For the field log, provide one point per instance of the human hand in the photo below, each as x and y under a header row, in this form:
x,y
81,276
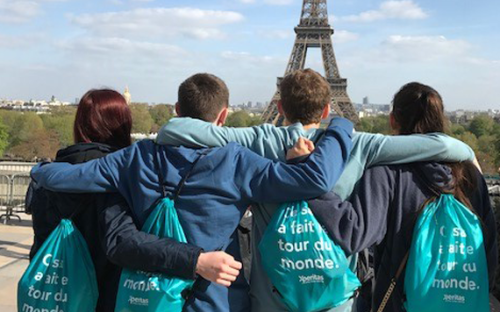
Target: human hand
x,y
303,147
218,267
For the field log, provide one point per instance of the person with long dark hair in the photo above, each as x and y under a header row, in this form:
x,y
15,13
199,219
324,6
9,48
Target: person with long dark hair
x,y
386,202
103,125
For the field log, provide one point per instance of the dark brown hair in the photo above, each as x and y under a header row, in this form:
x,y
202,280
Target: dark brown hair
x,y
103,116
202,96
304,95
418,108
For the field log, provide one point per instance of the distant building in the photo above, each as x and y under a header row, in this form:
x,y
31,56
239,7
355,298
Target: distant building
x,y
372,110
366,100
127,95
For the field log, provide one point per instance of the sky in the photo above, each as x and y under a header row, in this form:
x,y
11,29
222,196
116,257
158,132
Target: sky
x,y
65,47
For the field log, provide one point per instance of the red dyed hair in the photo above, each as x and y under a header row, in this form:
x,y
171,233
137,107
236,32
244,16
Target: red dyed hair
x,y
103,116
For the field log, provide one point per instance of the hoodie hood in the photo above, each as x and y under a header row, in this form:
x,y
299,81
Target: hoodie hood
x,y
436,174
83,152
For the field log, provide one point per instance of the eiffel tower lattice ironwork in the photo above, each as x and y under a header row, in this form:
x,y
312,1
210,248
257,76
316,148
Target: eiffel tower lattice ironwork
x,y
314,31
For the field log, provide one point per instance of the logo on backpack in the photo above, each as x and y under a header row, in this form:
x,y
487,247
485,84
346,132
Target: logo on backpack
x,y
312,279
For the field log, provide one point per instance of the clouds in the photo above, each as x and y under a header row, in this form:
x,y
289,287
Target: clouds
x,y
22,41
245,58
270,2
392,9
397,50
113,46
160,22
342,36
451,65
279,2
424,48
279,34
153,45
20,11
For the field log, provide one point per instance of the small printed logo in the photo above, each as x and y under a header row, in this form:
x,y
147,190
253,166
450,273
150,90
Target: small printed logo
x,y
311,279
454,298
138,301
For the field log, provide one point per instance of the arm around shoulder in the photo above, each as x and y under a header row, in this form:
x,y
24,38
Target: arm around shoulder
x,y
401,149
262,180
362,221
265,140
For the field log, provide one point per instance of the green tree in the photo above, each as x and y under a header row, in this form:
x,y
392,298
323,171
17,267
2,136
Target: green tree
x,y
377,124
30,123
39,144
481,125
28,137
457,129
470,139
486,153
21,126
10,120
496,129
62,125
64,110
141,119
239,119
497,153
486,144
161,114
4,138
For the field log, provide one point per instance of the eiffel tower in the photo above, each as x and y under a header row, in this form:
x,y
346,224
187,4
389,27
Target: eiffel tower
x,y
314,31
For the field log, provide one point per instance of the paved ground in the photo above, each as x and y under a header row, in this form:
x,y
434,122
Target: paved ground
x,y
15,243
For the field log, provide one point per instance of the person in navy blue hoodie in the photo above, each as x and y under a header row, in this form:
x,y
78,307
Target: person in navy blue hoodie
x,y
102,125
220,187
383,208
94,139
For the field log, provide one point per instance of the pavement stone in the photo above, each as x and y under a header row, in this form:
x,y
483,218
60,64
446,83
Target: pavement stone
x,y
15,243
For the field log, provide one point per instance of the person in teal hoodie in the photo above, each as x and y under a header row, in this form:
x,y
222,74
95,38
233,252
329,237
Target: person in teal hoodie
x,y
221,184
305,98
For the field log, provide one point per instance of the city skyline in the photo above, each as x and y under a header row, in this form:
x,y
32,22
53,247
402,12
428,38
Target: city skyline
x,y
66,47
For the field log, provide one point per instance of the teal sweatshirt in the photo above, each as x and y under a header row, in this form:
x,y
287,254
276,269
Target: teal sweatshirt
x,y
273,142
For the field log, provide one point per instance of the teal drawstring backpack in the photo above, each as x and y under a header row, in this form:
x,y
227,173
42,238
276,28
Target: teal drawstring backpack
x,y
309,271
447,268
149,292
61,277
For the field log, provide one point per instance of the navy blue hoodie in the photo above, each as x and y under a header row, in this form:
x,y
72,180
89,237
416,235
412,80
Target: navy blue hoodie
x,y
382,211
110,233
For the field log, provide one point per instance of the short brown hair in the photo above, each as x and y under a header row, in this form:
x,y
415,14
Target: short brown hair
x,y
202,96
304,95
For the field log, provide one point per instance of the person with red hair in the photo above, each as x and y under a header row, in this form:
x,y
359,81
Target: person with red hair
x,y
103,124
103,117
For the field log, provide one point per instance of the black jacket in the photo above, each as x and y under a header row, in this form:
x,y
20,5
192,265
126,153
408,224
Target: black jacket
x,y
109,230
382,211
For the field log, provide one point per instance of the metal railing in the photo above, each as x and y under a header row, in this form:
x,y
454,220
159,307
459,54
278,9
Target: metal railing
x,y
13,188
